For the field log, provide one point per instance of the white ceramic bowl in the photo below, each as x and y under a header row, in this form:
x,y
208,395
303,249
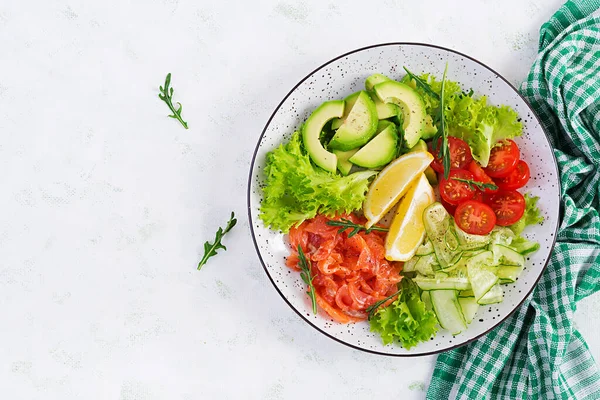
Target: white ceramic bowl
x,y
346,74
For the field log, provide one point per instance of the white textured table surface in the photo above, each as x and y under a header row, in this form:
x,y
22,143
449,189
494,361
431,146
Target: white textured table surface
x,y
106,202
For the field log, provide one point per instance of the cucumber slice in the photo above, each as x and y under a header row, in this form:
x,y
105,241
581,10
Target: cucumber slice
x,y
379,151
343,165
481,280
469,307
358,127
481,260
409,266
426,298
425,249
507,256
509,273
442,283
384,110
375,79
350,100
448,311
466,293
471,242
525,247
437,222
502,235
494,295
425,265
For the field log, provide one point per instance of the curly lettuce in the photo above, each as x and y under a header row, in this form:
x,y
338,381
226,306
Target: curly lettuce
x,y
295,189
531,216
471,118
406,320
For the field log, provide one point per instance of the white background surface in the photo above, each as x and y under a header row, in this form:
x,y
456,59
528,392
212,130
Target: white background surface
x,y
106,202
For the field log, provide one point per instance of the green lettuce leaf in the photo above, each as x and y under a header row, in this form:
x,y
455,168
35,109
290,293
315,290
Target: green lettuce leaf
x,y
405,320
531,216
469,118
296,190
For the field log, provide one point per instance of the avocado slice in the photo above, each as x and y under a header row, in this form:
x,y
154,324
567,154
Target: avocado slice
x,y
343,165
379,151
384,110
374,80
311,131
430,129
358,127
411,104
429,172
350,100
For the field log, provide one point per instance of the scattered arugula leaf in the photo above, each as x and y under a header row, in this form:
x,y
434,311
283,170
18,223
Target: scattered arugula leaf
x,y
473,184
346,224
307,277
210,249
422,84
166,95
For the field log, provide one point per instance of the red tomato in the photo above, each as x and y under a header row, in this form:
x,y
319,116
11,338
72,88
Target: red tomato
x,y
452,190
503,159
509,206
516,179
449,207
460,154
475,217
480,175
478,196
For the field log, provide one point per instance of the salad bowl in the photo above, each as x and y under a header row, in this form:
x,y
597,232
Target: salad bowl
x,y
346,74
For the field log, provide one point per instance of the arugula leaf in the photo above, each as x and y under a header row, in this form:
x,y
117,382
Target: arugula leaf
x,y
445,151
531,216
307,277
422,84
405,320
166,95
473,184
346,224
210,249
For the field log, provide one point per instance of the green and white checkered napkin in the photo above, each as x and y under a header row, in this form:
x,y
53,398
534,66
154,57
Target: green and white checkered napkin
x,y
537,353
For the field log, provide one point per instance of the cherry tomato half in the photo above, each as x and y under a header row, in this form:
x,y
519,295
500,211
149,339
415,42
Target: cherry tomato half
x,y
454,191
480,175
475,217
503,159
449,207
460,154
508,205
516,179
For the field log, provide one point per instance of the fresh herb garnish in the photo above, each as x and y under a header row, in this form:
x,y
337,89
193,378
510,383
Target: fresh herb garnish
x,y
346,224
422,84
166,95
373,308
475,184
210,249
307,277
444,151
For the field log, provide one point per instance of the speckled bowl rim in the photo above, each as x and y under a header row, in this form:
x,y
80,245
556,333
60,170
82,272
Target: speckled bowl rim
x,y
252,164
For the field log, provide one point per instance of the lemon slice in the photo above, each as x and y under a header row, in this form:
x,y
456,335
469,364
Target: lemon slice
x,y
392,183
407,230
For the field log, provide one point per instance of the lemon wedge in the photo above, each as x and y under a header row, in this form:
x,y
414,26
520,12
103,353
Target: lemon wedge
x,y
407,230
392,183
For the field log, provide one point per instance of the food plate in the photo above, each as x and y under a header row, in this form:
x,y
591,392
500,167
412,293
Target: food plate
x,y
346,74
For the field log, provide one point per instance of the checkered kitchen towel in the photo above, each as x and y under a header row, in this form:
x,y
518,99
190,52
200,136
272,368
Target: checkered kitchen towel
x,y
537,353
